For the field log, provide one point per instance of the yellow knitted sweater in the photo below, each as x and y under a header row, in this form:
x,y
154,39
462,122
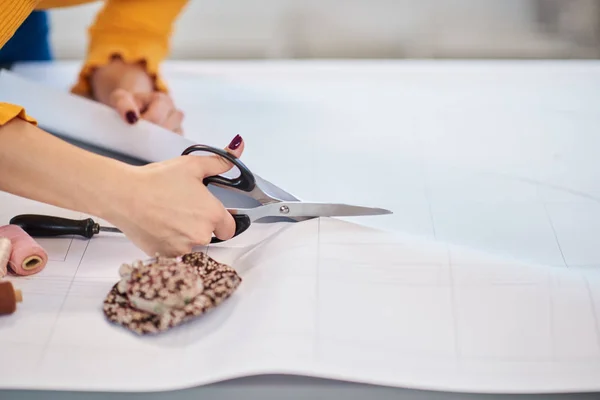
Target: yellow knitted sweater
x,y
135,30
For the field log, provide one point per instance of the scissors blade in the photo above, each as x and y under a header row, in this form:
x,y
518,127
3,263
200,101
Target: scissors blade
x,y
273,191
296,209
301,209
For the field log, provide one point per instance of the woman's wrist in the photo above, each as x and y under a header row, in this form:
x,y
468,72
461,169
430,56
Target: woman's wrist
x,y
113,196
41,167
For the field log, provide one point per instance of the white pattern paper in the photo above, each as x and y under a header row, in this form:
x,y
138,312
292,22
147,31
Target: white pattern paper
x,y
485,279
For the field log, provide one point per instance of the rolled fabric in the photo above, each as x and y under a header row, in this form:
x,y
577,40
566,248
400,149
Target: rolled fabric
x,y
9,297
27,256
5,251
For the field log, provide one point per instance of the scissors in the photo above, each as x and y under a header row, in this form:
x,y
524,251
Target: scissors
x,y
271,206
246,183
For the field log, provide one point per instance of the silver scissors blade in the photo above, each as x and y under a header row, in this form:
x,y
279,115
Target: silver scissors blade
x,y
299,209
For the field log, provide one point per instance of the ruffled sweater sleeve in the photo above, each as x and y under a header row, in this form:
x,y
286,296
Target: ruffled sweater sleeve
x,y
12,15
134,30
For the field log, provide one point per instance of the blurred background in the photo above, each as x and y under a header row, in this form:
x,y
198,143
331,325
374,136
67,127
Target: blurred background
x,y
272,29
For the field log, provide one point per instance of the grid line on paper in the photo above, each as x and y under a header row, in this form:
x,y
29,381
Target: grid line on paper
x,y
594,308
562,254
551,316
68,249
62,305
317,290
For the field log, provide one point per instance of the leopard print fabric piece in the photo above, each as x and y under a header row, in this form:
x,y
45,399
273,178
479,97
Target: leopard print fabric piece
x,y
164,284
172,291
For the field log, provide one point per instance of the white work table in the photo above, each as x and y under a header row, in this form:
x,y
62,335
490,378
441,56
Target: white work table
x,y
501,157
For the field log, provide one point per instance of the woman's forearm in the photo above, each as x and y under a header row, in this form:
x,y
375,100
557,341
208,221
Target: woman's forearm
x,y
41,167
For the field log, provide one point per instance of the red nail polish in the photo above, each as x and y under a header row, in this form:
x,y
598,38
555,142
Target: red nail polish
x,y
236,142
131,117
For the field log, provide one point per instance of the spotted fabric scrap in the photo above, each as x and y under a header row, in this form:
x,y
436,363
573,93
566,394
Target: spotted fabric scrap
x,y
158,295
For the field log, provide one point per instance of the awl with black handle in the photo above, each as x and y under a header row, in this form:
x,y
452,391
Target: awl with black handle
x,y
49,226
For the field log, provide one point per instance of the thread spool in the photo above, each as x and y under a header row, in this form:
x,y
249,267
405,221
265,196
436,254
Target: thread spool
x,y
27,256
9,297
5,251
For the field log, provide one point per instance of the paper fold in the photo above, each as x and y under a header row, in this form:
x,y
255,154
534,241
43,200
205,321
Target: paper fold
x,y
98,128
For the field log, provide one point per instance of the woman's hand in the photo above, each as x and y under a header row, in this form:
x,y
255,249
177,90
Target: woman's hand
x,y
168,210
162,207
130,91
155,107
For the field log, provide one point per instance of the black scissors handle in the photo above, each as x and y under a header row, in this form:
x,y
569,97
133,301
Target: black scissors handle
x,y
245,182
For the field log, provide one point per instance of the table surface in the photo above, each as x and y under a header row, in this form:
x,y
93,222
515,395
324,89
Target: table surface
x,y
496,156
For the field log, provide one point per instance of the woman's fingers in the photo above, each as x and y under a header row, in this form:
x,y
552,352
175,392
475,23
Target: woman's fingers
x,y
156,224
158,107
154,107
236,146
217,165
225,227
126,105
174,121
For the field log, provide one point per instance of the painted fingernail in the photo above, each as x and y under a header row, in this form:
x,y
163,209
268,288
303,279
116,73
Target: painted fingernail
x,y
131,117
236,142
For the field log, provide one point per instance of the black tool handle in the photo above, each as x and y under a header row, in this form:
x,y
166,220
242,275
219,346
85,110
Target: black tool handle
x,y
244,182
46,226
242,222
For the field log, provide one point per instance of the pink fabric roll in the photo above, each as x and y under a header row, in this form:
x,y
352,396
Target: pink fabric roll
x,y
27,256
5,251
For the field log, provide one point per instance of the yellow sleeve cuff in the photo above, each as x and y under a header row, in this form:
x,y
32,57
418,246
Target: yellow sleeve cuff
x,y
137,31
8,112
103,56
